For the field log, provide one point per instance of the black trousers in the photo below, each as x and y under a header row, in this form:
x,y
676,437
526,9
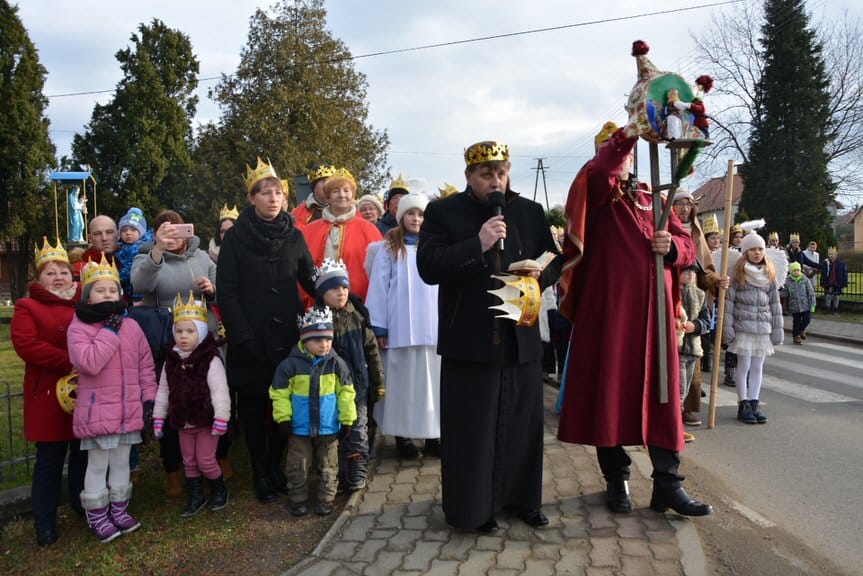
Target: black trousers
x,y
614,463
262,434
48,479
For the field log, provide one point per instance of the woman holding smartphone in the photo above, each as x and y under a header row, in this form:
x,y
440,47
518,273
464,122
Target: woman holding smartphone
x,y
175,264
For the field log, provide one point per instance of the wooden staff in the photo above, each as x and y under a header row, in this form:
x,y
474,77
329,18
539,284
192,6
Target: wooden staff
x,y
720,318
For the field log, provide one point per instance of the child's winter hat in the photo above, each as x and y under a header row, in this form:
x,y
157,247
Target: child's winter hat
x,y
331,274
410,202
317,322
193,311
794,266
134,218
751,240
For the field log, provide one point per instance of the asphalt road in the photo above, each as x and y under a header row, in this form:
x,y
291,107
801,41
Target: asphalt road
x,y
788,493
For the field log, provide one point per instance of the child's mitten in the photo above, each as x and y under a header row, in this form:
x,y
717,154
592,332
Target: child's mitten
x,y
219,427
158,424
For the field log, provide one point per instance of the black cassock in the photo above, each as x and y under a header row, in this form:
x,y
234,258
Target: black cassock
x,y
491,375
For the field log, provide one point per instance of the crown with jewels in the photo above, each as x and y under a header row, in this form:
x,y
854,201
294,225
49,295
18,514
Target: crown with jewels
x,y
190,310
228,214
711,225
261,171
400,182
795,237
345,173
93,272
773,236
448,190
50,253
317,322
328,267
604,135
321,171
489,151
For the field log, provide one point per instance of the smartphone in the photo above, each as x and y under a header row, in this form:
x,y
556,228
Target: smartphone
x,y
178,231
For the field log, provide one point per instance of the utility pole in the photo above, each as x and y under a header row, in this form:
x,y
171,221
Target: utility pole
x,y
540,167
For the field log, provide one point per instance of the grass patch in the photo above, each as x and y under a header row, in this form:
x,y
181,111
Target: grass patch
x,y
6,311
12,443
245,538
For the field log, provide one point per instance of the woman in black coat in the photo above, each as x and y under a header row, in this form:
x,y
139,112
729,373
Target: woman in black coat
x,y
260,262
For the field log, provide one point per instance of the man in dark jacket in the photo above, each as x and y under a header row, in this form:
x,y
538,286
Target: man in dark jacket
x,y
491,371
398,188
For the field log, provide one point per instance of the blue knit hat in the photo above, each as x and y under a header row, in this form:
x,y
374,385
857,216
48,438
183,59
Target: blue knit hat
x,y
134,218
317,322
331,274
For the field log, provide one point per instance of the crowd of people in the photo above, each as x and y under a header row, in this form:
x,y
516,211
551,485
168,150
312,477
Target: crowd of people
x,y
314,331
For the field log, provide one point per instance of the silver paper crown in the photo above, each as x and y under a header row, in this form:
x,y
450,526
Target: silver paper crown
x,y
328,266
315,316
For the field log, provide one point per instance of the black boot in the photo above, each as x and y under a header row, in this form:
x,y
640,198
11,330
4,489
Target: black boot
x,y
730,368
672,495
759,416
432,447
195,499
407,449
617,496
264,490
218,493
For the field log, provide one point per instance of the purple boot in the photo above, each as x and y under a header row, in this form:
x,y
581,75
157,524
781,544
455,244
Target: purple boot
x,y
119,516
96,508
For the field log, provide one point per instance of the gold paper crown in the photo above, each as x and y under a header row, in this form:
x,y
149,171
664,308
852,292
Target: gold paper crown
x,y
604,135
520,296
226,214
103,271
832,250
190,310
736,228
345,173
261,171
711,225
50,253
400,182
487,151
447,190
795,237
286,186
773,236
322,171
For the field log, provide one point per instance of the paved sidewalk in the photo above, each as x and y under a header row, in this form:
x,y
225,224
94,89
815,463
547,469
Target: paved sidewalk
x,y
397,526
848,332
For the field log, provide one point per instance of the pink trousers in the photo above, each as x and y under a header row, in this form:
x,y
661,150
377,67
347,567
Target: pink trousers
x,y
198,447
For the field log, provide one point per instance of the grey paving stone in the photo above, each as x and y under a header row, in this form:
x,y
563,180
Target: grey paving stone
x,y
369,550
373,503
630,527
478,562
421,557
357,528
391,517
385,563
403,540
634,547
415,522
638,566
604,552
383,533
573,559
443,568
381,482
407,476
400,494
458,546
493,543
513,555
536,567
320,568
342,550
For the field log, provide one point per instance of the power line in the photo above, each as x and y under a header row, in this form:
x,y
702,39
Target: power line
x,y
456,42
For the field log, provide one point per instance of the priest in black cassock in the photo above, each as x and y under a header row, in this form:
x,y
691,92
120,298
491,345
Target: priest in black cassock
x,y
491,388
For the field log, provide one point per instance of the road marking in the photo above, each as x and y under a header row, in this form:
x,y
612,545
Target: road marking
x,y
822,356
748,512
801,367
727,396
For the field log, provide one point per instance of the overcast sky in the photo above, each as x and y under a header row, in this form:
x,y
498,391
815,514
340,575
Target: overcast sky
x,y
544,94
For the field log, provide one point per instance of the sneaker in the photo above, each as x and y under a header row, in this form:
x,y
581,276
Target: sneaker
x,y
798,340
324,508
804,334
300,509
687,437
691,419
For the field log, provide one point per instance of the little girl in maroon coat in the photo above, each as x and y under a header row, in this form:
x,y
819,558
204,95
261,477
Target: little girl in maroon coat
x,y
193,392
116,389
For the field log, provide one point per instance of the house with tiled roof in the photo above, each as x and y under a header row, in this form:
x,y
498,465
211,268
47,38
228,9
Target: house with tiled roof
x,y
711,198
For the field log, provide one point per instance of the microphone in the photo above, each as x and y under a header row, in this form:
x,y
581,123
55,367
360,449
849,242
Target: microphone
x,y
496,199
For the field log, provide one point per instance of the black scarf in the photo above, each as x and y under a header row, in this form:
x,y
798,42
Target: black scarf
x,y
272,233
93,313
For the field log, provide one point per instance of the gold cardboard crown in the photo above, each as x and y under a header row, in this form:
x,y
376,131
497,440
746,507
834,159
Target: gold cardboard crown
x,y
520,296
261,171
400,182
50,253
322,171
604,135
189,310
736,228
773,236
711,225
795,237
833,250
488,151
345,173
447,190
103,271
226,214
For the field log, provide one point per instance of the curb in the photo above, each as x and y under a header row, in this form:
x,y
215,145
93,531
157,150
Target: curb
x,y
831,337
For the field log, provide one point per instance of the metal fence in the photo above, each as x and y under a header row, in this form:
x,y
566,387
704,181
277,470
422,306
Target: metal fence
x,y
16,455
855,282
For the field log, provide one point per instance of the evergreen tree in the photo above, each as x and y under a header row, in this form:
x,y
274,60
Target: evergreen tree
x,y
295,99
26,152
787,180
139,144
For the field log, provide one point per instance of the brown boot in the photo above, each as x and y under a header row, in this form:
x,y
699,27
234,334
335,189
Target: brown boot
x,y
227,471
173,484
798,340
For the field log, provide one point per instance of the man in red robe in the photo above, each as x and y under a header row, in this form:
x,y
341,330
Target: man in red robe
x,y
612,396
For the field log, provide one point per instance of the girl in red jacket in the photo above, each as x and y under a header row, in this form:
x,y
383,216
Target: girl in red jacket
x,y
116,388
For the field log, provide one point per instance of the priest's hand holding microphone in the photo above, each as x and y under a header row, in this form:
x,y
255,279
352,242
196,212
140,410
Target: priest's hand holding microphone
x,y
493,232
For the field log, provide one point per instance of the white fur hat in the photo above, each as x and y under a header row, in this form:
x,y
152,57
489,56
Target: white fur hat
x,y
409,202
751,240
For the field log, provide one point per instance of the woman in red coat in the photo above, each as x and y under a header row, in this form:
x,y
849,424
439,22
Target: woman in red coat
x,y
341,233
39,336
